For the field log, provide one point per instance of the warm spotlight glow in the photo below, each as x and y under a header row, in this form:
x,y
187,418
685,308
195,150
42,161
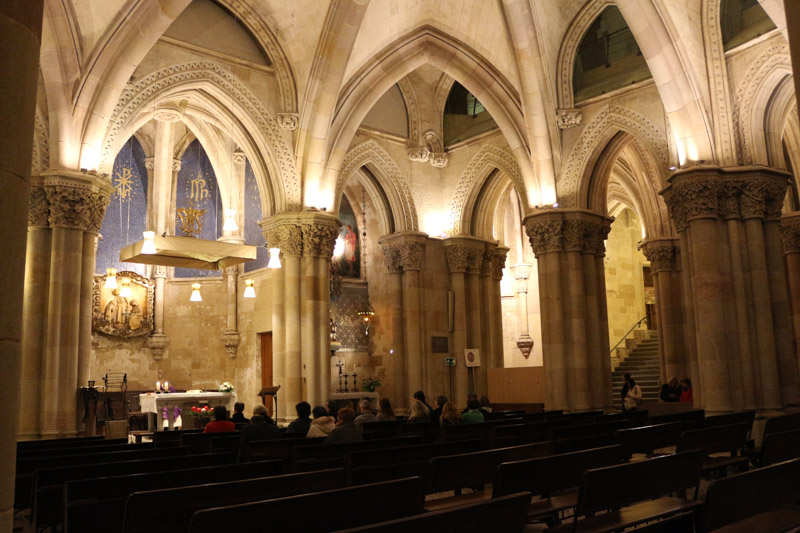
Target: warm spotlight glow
x,y
436,224
148,246
338,248
195,297
111,278
125,291
230,221
274,258
249,291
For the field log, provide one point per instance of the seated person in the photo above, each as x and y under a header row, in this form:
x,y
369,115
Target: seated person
x,y
450,415
238,414
299,427
670,392
486,405
365,407
686,390
473,414
345,430
333,411
473,396
261,427
419,413
322,425
386,413
221,424
438,405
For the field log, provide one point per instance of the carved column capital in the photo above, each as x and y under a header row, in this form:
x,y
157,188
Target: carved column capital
x,y
159,271
310,233
521,272
231,340
661,253
486,260
76,200
403,251
464,254
499,262
567,230
568,118
286,235
158,343
38,207
790,232
319,239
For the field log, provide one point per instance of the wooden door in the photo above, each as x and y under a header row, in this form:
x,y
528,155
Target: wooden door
x,y
266,367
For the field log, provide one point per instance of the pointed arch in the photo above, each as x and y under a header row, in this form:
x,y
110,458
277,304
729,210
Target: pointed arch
x,y
753,98
412,109
428,45
394,184
217,96
480,168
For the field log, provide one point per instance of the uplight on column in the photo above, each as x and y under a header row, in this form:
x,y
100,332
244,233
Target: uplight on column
x,y
111,278
274,258
125,291
195,297
230,221
148,246
249,290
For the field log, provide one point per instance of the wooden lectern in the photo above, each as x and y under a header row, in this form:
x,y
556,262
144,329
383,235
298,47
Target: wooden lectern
x,y
270,391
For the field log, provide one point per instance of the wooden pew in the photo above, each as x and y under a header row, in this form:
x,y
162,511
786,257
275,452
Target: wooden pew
x,y
742,417
692,419
98,504
779,424
26,467
342,449
780,447
261,450
761,500
79,450
547,478
615,488
717,439
506,514
384,430
171,510
584,436
335,509
48,484
473,470
396,463
428,431
67,443
647,439
205,442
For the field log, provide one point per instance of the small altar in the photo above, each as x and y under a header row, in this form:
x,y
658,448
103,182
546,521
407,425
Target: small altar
x,y
152,402
351,399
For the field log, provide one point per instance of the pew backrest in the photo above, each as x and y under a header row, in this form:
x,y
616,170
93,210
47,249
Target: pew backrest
x,y
647,439
333,509
779,447
716,439
779,424
171,510
545,475
743,417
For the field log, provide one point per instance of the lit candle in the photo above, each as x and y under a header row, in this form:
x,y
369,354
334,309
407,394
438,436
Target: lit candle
x,y
166,386
158,386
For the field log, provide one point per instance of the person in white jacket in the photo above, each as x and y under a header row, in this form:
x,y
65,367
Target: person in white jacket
x,y
322,425
634,395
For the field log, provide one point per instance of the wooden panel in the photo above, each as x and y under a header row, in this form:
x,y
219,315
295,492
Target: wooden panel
x,y
266,366
516,385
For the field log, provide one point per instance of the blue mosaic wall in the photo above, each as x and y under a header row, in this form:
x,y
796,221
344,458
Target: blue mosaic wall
x,y
252,215
126,215
197,188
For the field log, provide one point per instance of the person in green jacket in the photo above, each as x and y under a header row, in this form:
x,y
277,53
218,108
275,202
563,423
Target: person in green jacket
x,y
473,415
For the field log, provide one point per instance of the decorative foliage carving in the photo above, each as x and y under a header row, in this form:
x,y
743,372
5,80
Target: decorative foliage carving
x,y
476,171
371,152
612,116
661,255
231,340
418,154
568,233
75,207
136,96
499,262
38,207
319,239
402,256
790,234
288,236
158,343
288,121
568,118
692,198
464,257
544,235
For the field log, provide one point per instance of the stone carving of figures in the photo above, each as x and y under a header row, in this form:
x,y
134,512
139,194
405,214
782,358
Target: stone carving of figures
x,y
136,318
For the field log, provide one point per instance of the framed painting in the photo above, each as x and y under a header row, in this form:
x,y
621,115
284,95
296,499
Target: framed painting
x,y
119,314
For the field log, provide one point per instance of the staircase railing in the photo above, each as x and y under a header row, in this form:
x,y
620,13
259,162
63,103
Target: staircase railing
x,y
639,323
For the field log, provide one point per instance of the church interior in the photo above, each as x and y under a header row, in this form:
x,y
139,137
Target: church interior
x,y
288,202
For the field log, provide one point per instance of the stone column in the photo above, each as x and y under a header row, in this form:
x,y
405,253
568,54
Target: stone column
x,y
727,219
20,36
404,252
34,311
394,262
487,317
498,262
568,244
464,260
158,340
230,335
521,273
663,254
790,235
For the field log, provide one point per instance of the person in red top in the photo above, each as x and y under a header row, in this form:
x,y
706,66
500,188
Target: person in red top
x,y
687,395
221,424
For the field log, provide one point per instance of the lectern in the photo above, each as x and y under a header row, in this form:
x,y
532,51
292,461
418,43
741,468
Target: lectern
x,y
270,391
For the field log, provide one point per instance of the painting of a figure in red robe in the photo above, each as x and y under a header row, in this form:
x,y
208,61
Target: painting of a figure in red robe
x,y
347,251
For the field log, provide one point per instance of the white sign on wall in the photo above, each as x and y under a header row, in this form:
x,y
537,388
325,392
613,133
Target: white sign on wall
x,y
472,357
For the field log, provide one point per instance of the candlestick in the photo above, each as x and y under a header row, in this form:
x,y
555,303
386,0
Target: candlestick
x,y
166,386
158,386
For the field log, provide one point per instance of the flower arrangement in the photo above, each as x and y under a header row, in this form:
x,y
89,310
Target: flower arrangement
x,y
201,412
226,387
370,384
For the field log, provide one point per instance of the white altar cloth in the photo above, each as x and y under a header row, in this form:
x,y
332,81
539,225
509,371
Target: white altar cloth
x,y
154,403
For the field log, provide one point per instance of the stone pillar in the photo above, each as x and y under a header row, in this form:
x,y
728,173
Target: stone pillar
x,y
498,262
521,273
569,248
158,340
404,253
663,254
464,260
487,317
790,235
395,266
230,335
300,332
727,219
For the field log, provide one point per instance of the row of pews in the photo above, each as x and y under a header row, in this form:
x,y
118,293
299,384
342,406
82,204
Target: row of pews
x,y
575,472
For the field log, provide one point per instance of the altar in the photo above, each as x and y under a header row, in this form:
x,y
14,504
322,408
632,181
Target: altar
x,y
152,402
351,399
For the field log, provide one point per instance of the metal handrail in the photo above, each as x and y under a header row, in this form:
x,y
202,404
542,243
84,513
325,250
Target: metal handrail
x,y
643,319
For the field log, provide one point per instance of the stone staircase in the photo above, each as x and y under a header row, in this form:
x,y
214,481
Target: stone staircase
x,y
643,364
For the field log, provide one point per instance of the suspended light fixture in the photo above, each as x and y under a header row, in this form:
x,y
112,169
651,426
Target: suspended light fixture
x,y
125,291
230,221
249,291
148,246
111,278
274,258
367,313
195,297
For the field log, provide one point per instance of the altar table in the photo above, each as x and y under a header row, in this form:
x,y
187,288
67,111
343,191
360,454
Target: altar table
x,y
155,403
